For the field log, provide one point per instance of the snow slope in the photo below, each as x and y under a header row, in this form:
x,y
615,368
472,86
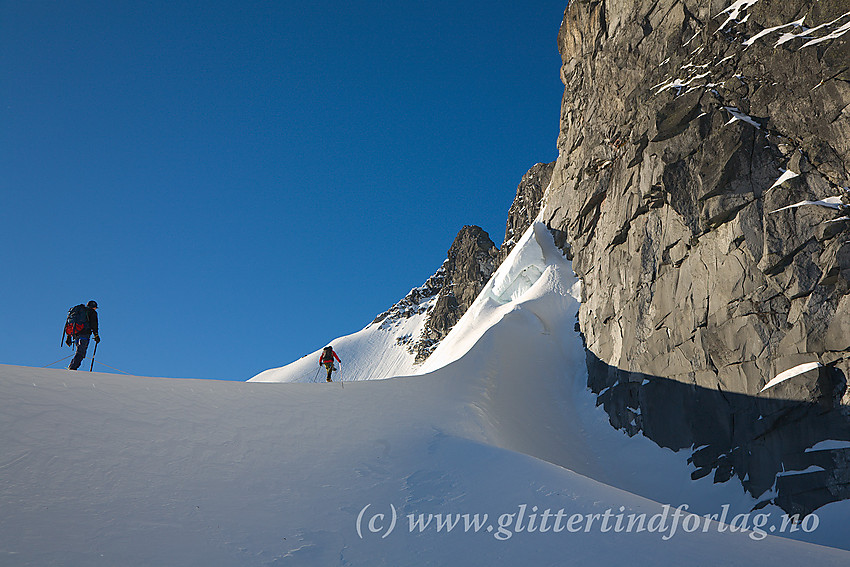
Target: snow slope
x,y
378,351
113,470
99,469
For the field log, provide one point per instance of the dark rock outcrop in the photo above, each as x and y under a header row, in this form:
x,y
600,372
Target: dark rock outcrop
x,y
526,205
470,263
446,295
688,131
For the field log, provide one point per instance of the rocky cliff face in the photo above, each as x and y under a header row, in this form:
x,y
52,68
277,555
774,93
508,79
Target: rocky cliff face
x,y
702,189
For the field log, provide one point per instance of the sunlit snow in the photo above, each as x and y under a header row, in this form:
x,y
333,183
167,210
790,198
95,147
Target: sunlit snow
x,y
791,373
829,202
101,469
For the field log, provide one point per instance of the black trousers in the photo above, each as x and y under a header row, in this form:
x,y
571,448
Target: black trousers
x,y
81,343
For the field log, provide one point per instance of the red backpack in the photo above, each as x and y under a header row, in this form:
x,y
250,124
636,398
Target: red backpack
x,y
77,321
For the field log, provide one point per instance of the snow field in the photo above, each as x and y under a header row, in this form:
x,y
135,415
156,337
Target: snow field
x,y
100,469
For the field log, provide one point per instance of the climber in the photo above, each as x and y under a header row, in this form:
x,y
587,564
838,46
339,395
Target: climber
x,y
327,360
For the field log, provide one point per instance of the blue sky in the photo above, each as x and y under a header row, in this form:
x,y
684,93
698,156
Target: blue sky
x,y
237,183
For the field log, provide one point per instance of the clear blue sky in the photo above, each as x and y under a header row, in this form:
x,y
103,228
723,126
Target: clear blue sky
x,y
237,183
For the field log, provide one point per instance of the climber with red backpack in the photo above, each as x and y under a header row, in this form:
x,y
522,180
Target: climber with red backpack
x,y
327,360
79,326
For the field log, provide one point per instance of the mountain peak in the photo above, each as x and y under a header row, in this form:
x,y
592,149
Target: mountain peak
x,y
470,263
446,295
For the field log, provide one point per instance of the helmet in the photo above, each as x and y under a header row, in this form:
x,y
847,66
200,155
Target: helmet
x,y
92,304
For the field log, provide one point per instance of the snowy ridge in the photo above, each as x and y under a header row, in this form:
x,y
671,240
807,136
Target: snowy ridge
x,y
381,350
378,351
521,270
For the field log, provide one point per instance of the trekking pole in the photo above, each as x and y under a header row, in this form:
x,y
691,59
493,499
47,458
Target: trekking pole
x,y
92,357
316,377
